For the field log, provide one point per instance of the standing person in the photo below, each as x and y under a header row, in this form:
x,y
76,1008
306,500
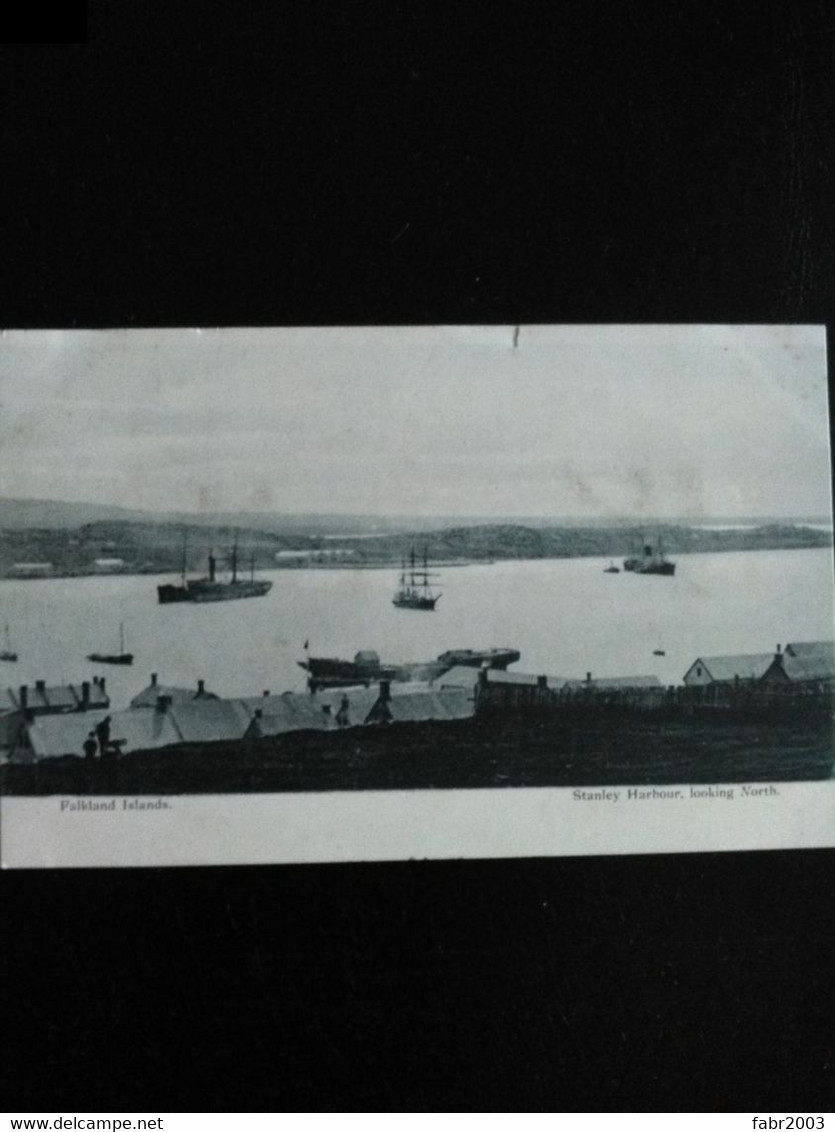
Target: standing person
x,y
342,718
90,746
103,736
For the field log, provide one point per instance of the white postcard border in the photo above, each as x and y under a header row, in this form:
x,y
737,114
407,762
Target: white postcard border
x,y
248,829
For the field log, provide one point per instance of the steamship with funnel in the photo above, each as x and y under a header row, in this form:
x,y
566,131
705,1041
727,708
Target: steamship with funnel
x,y
651,560
211,589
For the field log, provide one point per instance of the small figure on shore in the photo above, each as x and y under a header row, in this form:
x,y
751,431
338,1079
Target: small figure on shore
x,y
103,736
90,746
342,718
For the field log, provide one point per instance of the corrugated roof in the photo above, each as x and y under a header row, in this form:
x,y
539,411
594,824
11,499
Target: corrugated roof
x,y
747,666
461,676
452,703
58,697
811,648
814,666
360,702
53,735
98,696
147,698
616,682
294,713
464,676
205,720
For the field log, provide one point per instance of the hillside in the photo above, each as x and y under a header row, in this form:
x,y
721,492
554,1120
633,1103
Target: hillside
x,y
157,546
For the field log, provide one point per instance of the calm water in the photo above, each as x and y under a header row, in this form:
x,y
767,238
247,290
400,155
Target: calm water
x,y
566,617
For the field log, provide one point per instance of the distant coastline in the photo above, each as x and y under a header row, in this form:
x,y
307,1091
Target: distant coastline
x,y
128,547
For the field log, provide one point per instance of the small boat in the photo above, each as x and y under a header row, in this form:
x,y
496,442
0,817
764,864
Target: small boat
x,y
414,591
7,653
658,652
120,657
612,569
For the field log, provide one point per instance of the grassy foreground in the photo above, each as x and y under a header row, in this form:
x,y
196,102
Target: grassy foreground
x,y
502,751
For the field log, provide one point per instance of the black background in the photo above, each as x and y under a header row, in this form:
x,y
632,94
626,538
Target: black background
x,y
215,164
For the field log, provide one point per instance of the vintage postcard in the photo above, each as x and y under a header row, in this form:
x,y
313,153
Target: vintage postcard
x,y
297,595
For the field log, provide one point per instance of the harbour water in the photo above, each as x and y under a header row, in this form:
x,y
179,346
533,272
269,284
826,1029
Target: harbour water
x,y
567,617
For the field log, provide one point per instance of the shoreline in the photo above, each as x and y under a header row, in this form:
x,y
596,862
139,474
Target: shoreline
x,y
395,565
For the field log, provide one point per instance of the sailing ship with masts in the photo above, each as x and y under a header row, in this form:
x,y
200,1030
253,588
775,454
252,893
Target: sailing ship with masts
x,y
211,588
7,652
415,590
120,657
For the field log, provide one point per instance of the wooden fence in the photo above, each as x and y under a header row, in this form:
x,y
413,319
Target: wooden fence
x,y
749,699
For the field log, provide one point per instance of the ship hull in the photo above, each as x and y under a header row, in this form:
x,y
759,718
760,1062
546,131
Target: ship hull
x,y
212,591
423,603
650,566
228,591
168,594
329,672
476,658
105,658
665,569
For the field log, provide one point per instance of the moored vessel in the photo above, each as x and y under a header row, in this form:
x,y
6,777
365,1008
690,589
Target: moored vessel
x,y
367,668
120,657
415,591
211,589
650,561
7,652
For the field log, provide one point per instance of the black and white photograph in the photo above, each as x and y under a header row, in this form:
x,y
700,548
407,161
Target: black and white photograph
x,y
415,562
416,570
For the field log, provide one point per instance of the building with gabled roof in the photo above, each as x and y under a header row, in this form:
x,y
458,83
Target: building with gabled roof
x,y
42,699
810,648
614,683
348,706
463,676
132,730
727,669
109,565
808,668
209,720
446,704
294,713
149,696
18,706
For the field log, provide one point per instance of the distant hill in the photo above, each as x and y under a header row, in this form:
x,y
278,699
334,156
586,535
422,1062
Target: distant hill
x,y
154,545
20,514
53,514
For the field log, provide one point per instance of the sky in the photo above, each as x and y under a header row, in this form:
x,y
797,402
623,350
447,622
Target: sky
x,y
595,421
